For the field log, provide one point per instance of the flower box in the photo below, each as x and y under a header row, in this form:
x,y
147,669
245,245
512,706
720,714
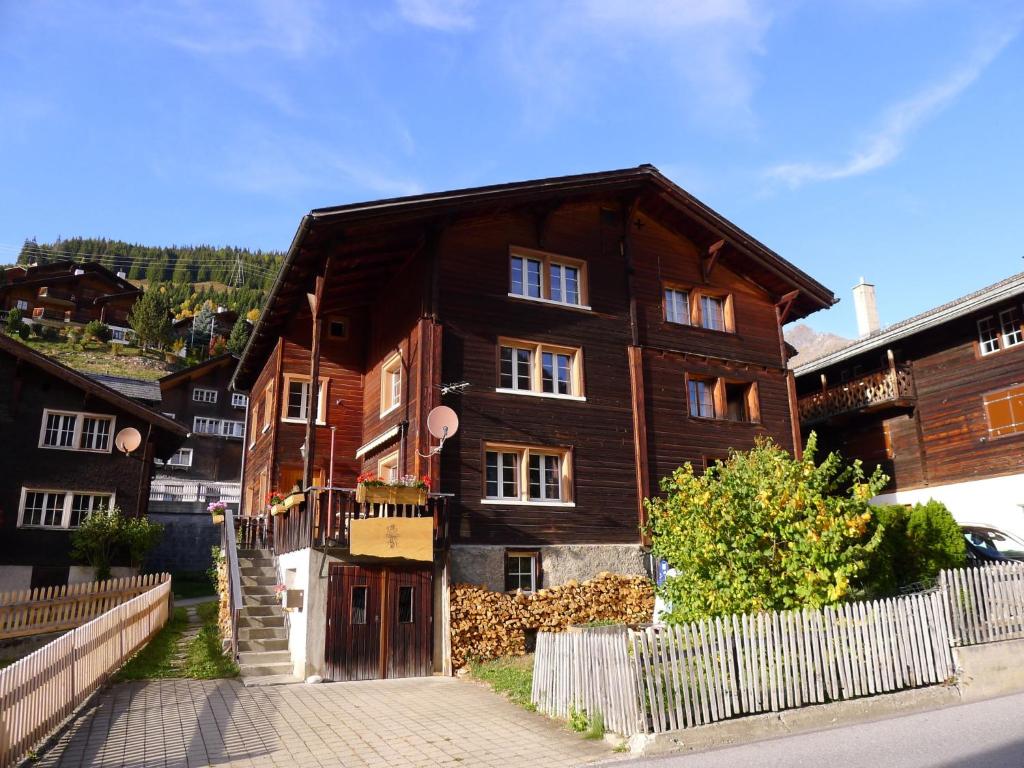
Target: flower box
x,y
294,499
278,509
391,494
217,518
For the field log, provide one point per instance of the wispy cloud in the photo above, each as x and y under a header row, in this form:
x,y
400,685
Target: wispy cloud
x,y
443,15
887,143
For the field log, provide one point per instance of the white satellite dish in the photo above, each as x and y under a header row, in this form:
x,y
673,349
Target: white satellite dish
x,y
442,423
128,439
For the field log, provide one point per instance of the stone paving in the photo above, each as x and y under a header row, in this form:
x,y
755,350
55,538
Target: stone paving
x,y
413,722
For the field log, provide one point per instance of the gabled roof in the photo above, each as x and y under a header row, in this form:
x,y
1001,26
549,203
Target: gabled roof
x,y
137,389
944,313
197,370
63,270
761,263
87,384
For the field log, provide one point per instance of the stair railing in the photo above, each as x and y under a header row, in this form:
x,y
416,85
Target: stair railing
x,y
230,549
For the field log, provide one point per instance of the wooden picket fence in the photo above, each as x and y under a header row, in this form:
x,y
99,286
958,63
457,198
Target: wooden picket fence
x,y
40,691
55,609
588,670
985,604
662,678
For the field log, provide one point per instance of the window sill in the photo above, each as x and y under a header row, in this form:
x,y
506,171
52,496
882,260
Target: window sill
x,y
521,503
699,328
75,450
550,302
716,420
299,421
389,411
531,393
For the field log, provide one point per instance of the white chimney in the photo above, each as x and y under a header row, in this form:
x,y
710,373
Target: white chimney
x,y
79,272
122,274
866,308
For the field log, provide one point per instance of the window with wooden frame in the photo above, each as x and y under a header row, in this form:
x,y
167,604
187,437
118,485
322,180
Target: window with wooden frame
x,y
47,508
547,277
1002,333
268,407
296,401
522,570
698,307
527,475
387,468
526,367
75,431
390,384
719,398
1005,411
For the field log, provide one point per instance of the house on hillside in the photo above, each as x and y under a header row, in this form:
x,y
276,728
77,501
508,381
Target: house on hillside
x,y
222,320
937,400
591,332
60,462
66,293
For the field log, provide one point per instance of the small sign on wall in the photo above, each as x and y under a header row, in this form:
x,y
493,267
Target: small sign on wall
x,y
411,538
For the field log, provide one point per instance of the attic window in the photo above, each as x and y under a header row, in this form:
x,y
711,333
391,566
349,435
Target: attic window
x,y
337,328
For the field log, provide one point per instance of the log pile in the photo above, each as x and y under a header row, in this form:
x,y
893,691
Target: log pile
x,y
488,625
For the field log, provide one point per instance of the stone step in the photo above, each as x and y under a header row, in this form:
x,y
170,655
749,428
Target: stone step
x,y
263,680
258,570
261,621
266,600
249,671
252,632
258,609
264,657
255,562
261,590
258,581
255,554
262,645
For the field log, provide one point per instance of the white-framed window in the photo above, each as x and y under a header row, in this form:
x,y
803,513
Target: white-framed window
x,y
527,475
295,407
541,369
988,335
677,306
201,395
238,400
230,428
74,431
181,458
204,426
712,312
22,305
48,508
547,277
702,398
390,384
1009,322
387,468
521,571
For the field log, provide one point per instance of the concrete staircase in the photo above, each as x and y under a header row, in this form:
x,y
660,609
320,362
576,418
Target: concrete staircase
x,y
263,656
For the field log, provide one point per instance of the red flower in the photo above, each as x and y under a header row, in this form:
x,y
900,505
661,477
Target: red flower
x,y
426,481
366,477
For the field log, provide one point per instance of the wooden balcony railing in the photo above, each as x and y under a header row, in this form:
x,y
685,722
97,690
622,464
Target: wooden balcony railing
x,y
325,519
890,387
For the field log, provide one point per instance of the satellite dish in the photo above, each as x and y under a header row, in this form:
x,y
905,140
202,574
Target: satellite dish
x,y
128,439
442,422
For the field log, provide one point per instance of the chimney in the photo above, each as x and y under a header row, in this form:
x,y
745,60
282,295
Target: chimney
x,y
122,274
79,271
866,308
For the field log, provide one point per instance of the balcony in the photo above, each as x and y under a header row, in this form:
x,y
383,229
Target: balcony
x,y
890,389
55,296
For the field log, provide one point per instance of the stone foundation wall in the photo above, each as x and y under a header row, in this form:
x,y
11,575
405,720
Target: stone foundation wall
x,y
189,534
484,565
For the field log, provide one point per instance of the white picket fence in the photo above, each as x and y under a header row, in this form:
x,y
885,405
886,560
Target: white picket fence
x,y
985,604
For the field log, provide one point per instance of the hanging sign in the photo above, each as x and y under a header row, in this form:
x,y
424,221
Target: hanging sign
x,y
411,538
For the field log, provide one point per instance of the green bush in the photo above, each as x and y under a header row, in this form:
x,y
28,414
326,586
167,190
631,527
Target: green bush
x,y
97,330
916,543
106,534
14,321
763,531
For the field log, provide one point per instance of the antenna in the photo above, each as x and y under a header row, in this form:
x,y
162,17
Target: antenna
x,y
455,387
442,423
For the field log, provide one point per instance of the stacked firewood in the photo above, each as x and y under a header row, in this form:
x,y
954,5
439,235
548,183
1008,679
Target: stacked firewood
x,y
487,625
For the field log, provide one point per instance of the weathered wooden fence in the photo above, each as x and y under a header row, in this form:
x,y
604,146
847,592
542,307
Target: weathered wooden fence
x,y
589,670
39,691
985,604
54,609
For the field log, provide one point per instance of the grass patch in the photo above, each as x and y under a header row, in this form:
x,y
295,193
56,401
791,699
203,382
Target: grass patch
x,y
98,358
512,677
187,584
156,660
206,660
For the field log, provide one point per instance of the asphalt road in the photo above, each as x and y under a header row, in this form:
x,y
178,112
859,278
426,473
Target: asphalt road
x,y
987,734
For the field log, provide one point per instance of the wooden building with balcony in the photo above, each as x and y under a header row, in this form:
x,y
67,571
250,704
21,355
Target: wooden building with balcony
x,y
937,400
592,333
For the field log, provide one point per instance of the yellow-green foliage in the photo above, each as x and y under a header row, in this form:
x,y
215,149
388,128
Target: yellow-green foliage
x,y
763,531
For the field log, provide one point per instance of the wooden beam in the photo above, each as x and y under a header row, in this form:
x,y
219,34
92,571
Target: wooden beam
x,y
636,391
707,264
785,304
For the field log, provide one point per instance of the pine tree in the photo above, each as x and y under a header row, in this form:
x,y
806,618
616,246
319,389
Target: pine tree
x,y
239,336
149,318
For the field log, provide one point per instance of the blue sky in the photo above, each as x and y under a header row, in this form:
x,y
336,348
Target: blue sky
x,y
880,138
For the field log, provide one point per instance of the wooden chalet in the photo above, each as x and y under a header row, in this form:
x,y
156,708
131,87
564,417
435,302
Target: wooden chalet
x,y
600,331
69,294
59,461
937,400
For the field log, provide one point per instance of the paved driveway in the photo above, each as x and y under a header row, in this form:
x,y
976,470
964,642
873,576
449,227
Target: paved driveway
x,y
412,722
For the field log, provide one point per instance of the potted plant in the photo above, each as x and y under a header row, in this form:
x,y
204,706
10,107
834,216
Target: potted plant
x,y
408,490
276,502
216,510
294,497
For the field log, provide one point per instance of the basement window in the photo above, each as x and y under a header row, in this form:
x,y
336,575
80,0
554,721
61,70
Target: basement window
x,y
521,571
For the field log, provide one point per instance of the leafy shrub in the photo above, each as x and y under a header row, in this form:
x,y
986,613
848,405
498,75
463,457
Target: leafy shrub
x,y
96,329
916,543
106,534
14,321
23,332
763,531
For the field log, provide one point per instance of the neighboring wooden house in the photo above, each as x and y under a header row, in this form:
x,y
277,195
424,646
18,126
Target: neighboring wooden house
x,y
937,400
610,327
70,294
221,322
59,462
